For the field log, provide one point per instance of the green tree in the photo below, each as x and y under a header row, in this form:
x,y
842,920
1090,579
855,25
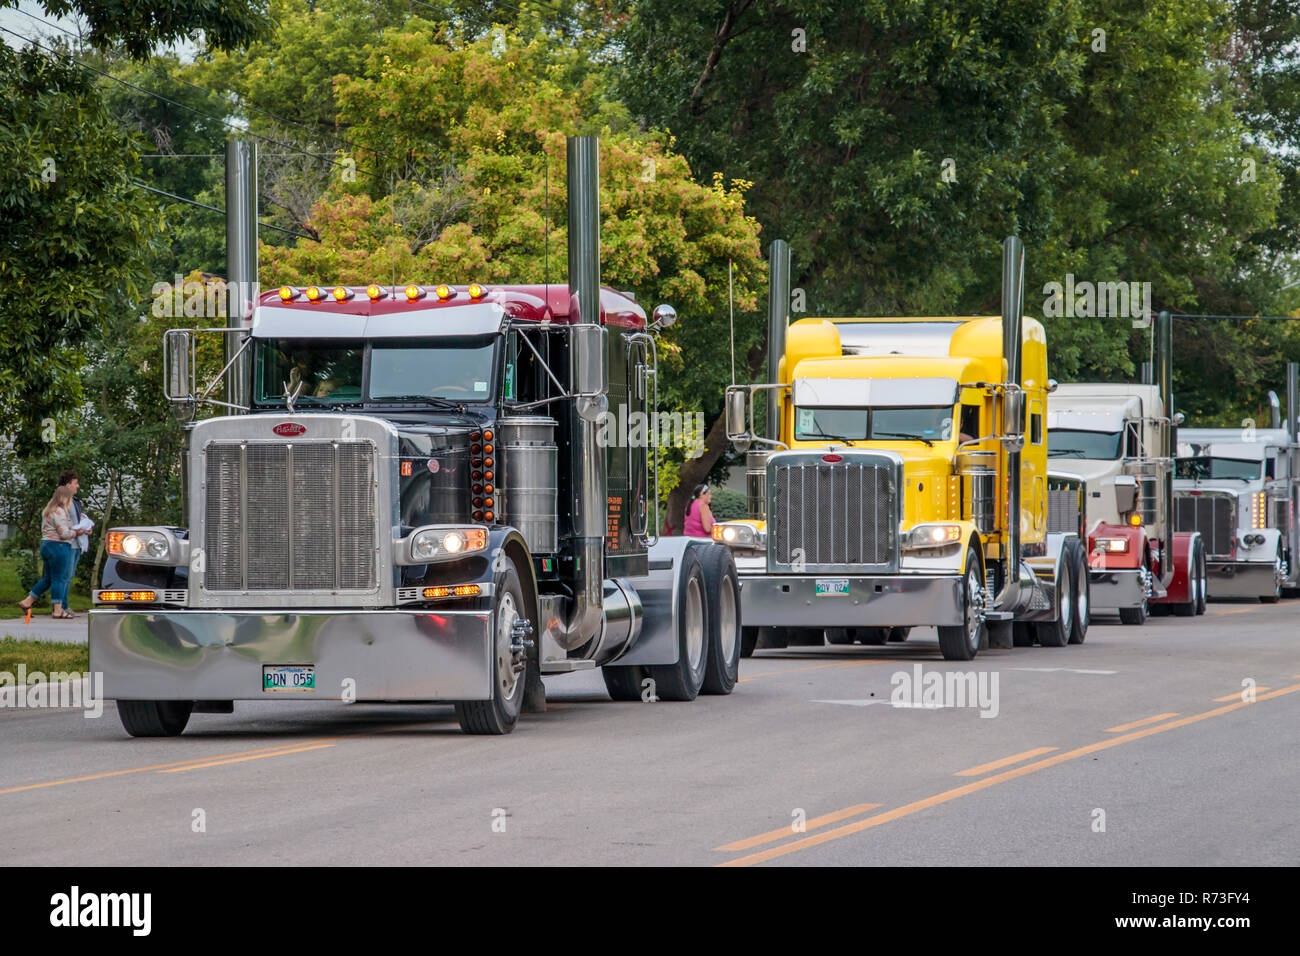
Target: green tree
x,y
137,26
468,137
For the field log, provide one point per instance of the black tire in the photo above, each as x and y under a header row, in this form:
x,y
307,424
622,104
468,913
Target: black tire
x,y
1193,602
498,715
804,636
1082,593
1277,584
723,592
1137,616
1057,633
683,680
748,641
872,636
961,642
154,718
1204,579
624,683
897,635
840,636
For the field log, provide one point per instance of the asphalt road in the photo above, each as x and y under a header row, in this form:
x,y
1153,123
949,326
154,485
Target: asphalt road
x,y
1133,748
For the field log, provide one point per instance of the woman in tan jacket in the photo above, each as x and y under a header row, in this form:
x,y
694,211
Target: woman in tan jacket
x,y
58,538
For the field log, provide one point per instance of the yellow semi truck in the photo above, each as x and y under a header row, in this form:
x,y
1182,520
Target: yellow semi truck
x,y
903,482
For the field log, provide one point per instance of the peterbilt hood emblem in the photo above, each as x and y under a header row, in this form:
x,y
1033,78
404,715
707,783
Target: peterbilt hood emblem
x,y
289,429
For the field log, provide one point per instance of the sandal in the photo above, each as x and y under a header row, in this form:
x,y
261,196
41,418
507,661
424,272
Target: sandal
x,y
65,616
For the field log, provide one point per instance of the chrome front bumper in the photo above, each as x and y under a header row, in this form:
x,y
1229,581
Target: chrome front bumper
x,y
218,655
1228,579
1113,589
877,601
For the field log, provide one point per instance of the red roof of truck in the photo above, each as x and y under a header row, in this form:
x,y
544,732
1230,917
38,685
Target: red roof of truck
x,y
526,303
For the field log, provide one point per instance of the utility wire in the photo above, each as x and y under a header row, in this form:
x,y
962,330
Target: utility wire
x,y
203,205
203,89
141,89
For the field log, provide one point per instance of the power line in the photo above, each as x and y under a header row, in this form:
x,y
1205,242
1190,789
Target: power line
x,y
203,89
203,205
141,89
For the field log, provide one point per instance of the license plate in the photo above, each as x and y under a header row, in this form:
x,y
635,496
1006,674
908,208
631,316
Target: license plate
x,y
288,678
831,587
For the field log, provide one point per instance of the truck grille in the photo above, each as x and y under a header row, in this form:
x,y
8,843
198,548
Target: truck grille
x,y
282,517
832,514
1062,509
1213,516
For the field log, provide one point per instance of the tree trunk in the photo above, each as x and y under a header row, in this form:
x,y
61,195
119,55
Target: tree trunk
x,y
103,531
694,470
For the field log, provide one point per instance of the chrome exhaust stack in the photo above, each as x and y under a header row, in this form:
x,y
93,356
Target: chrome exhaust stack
x,y
778,319
1014,591
1164,359
585,617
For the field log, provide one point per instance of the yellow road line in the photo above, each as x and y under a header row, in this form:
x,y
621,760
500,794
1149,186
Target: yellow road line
x,y
773,835
1138,723
1004,762
220,763
1236,610
1237,696
118,773
939,798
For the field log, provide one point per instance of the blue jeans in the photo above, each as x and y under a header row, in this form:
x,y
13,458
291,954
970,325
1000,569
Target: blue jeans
x,y
56,556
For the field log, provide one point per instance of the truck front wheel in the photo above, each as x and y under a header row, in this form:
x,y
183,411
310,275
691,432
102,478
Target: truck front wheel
x,y
154,718
499,714
961,642
683,680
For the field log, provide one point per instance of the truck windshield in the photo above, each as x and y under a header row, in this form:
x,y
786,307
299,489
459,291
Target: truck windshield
x,y
874,424
1075,443
328,372
1203,468
401,370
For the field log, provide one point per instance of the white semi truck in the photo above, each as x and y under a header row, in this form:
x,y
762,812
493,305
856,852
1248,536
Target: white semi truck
x,y
1240,488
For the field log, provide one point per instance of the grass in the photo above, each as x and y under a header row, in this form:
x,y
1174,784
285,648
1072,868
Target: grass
x,y
43,656
11,592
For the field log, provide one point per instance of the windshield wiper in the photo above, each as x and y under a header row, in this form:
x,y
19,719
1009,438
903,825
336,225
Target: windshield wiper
x,y
905,437
847,441
1062,452
427,399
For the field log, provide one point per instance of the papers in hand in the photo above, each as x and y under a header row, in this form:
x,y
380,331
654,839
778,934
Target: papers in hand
x,y
83,540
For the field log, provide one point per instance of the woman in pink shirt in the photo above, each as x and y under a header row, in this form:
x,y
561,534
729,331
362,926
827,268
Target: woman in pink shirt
x,y
699,519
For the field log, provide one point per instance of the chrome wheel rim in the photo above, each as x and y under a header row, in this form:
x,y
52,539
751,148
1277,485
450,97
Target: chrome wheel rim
x,y
973,585
729,632
694,624
1083,599
507,614
1063,603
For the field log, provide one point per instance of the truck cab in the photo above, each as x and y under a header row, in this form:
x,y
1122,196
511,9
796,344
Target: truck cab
x,y
1111,436
1239,489
904,484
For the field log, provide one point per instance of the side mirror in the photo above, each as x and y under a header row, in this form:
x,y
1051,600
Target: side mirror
x,y
663,317
737,408
1179,418
1126,493
1052,385
589,369
1013,419
177,348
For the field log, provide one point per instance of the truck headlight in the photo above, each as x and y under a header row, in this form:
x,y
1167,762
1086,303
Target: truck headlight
x,y
432,544
1111,545
739,536
147,546
1253,540
924,537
